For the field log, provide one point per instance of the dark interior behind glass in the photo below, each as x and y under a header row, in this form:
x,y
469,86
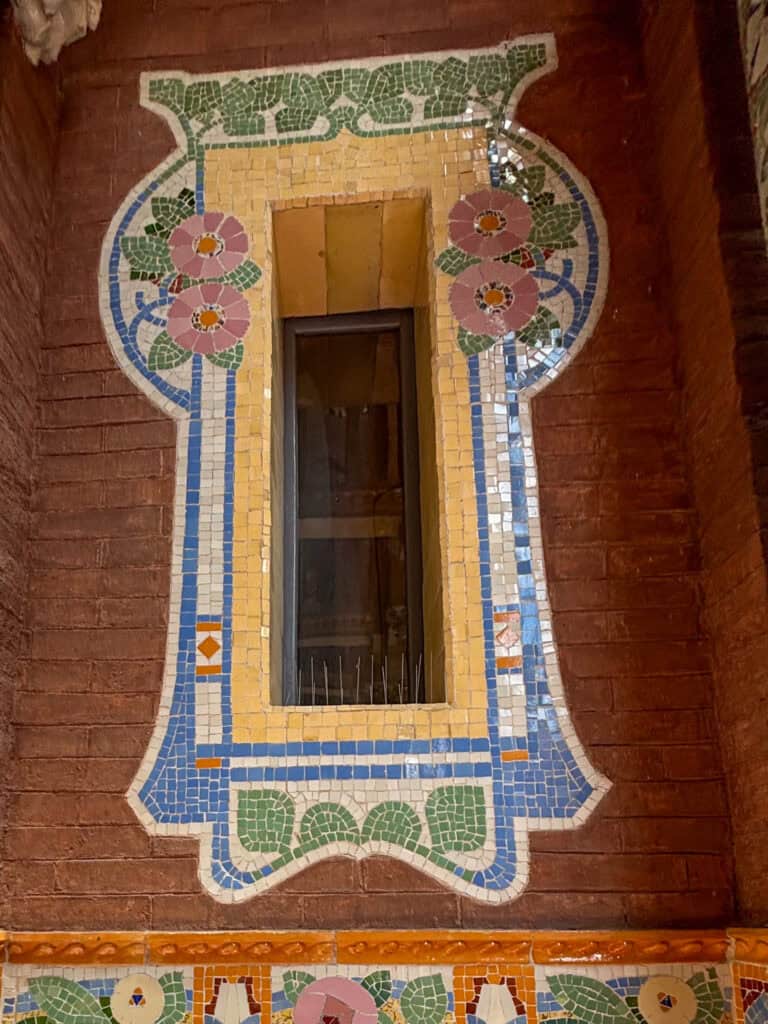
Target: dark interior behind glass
x,y
355,523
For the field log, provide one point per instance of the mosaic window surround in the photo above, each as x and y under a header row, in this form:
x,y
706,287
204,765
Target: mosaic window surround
x,y
518,268
418,978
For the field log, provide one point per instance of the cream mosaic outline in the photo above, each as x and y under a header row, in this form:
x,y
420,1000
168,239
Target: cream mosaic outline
x,y
408,764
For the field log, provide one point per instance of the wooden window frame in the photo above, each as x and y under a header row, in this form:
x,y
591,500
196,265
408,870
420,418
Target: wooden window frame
x,y
351,323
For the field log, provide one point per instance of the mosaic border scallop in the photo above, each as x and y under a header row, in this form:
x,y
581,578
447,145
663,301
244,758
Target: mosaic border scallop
x,y
520,760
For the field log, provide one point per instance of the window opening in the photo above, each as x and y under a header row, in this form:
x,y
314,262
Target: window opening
x,y
353,631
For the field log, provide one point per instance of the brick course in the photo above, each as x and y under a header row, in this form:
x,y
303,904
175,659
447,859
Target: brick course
x,y
620,526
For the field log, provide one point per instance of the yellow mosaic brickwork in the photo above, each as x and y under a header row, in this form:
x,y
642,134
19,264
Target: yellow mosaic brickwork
x,y
250,183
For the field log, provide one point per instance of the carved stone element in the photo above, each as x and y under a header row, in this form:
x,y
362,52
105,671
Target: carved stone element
x,y
750,945
630,947
76,948
48,25
241,947
433,947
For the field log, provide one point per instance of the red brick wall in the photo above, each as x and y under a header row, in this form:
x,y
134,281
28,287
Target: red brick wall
x,y
720,273
28,110
620,530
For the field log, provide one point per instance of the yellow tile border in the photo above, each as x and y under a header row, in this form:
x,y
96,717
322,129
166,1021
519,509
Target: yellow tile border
x,y
333,178
449,947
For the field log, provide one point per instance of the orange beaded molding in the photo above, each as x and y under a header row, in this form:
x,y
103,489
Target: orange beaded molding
x,y
369,947
241,947
630,947
750,944
386,947
76,948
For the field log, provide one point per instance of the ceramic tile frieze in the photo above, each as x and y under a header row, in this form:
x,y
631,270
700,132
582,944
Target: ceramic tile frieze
x,y
407,993
518,270
99,995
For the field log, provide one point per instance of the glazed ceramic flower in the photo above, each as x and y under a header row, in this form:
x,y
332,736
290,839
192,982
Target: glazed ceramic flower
x,y
494,298
668,999
489,223
335,999
137,999
208,245
209,318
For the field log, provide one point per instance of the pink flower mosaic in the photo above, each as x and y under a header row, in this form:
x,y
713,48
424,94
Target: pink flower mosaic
x,y
208,245
492,298
489,223
340,1000
209,318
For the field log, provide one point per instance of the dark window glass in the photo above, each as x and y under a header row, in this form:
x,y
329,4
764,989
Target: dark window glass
x,y
353,595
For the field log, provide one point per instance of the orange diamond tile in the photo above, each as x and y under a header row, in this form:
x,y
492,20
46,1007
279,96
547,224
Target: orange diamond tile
x,y
209,647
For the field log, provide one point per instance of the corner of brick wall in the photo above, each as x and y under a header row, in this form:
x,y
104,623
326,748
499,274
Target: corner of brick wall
x,y
719,276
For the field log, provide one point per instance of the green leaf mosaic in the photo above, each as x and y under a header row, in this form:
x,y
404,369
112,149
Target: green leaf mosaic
x,y
230,359
65,1002
395,822
471,344
379,984
527,183
324,101
147,255
590,1001
457,818
201,99
709,997
328,823
165,354
175,1005
168,92
169,212
424,1000
294,983
553,226
265,820
544,329
243,277
106,1005
452,260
